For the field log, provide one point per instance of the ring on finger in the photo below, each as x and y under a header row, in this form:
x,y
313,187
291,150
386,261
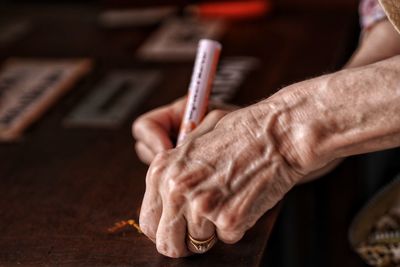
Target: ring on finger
x,y
200,246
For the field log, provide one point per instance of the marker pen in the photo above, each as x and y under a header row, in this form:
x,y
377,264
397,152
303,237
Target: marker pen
x,y
205,67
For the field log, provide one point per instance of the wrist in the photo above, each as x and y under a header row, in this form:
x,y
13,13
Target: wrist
x,y
346,113
292,124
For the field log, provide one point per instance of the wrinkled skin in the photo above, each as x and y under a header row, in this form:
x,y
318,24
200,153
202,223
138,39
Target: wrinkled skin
x,y
237,165
155,131
228,178
222,179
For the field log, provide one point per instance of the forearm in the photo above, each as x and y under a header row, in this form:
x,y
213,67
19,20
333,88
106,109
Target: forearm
x,y
346,113
365,113
379,42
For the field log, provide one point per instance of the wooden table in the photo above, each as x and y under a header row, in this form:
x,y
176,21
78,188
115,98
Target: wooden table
x,y
61,188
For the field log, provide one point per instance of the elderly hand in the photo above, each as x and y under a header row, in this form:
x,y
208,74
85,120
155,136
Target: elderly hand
x,y
222,181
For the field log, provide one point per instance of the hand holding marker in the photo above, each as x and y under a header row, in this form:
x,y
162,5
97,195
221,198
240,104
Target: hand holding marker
x,y
200,87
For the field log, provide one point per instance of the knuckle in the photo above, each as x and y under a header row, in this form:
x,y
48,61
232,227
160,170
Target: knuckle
x,y
179,181
152,175
206,203
159,163
228,222
157,167
176,188
200,205
151,178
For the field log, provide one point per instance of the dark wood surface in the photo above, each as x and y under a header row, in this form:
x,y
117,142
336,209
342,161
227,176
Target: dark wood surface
x,y
61,188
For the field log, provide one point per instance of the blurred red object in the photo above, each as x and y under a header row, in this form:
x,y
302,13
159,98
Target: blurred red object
x,y
233,10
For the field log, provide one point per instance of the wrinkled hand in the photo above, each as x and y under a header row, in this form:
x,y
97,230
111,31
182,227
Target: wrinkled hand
x,y
222,181
225,180
156,130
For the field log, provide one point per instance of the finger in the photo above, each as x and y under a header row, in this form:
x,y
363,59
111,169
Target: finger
x,y
144,153
152,134
150,214
229,223
199,227
171,233
151,209
252,198
200,231
156,127
229,237
206,203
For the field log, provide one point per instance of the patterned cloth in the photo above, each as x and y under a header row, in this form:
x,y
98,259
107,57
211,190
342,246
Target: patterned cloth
x,y
370,13
392,9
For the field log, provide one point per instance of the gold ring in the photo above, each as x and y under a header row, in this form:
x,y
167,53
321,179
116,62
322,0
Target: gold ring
x,y
200,246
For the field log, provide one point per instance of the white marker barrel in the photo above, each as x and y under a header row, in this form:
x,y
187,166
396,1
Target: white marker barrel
x,y
205,67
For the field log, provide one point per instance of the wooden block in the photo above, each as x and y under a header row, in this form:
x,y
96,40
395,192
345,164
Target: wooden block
x,y
28,87
109,105
177,39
